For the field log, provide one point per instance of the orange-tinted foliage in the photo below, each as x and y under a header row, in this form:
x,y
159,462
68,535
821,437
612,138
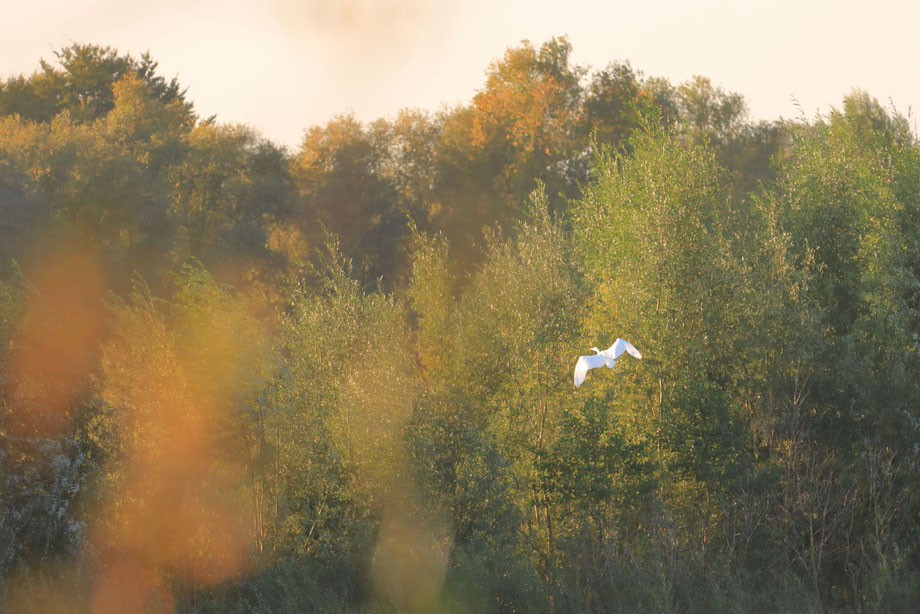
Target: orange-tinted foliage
x,y
60,331
179,507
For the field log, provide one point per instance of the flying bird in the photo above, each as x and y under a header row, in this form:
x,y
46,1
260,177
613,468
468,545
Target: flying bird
x,y
606,358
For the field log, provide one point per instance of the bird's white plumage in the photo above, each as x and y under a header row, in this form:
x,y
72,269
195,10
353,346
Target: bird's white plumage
x,y
587,362
621,345
603,358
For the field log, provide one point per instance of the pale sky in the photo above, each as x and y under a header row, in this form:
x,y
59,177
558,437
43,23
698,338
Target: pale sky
x,y
284,65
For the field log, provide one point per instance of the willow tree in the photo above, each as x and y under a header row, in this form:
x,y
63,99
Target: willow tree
x,y
694,278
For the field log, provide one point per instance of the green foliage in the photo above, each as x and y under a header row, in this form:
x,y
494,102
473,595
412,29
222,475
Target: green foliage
x,y
431,298
83,85
345,179
613,103
41,478
335,421
273,428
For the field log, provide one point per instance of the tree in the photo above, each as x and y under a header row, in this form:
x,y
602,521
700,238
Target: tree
x,y
83,85
687,273
518,324
343,177
708,112
178,377
614,103
850,231
337,423
521,127
231,200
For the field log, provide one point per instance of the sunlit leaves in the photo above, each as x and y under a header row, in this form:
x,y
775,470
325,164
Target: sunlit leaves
x,y
82,83
178,375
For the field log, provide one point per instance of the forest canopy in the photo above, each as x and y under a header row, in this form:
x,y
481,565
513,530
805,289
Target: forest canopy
x,y
239,378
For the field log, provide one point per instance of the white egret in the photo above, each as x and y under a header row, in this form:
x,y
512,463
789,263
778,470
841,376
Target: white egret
x,y
606,358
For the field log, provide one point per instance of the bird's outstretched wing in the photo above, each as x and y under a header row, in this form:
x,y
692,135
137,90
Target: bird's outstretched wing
x,y
621,345
587,362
